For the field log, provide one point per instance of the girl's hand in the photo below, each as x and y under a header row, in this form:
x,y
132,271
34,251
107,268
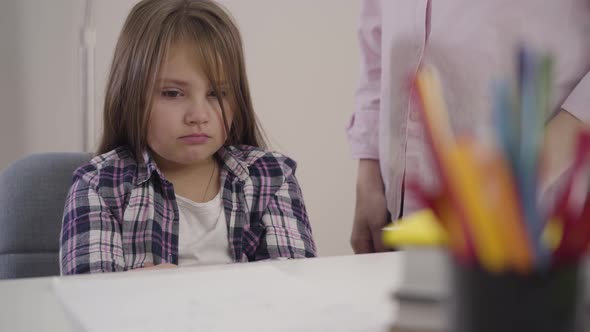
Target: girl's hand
x,y
150,266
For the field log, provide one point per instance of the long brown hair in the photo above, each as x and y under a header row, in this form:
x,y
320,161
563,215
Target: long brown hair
x,y
151,28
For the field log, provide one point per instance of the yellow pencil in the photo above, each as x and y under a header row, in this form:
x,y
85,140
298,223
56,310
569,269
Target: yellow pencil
x,y
503,199
467,181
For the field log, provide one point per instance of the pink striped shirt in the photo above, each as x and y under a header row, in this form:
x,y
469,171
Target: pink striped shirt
x,y
471,43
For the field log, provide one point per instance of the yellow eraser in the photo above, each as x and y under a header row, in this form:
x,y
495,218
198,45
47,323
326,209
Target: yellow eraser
x,y
419,229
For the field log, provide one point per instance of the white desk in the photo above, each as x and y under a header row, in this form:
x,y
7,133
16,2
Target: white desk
x,y
32,305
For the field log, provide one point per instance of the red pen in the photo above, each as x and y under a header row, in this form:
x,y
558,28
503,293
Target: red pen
x,y
576,224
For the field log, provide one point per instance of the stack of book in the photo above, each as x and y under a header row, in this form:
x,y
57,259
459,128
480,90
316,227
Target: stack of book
x,y
423,293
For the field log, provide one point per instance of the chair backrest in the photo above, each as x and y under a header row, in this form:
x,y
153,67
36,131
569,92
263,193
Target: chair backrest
x,y
32,198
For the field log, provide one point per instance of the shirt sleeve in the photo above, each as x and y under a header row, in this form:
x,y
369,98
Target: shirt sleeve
x,y
578,102
90,236
362,130
288,231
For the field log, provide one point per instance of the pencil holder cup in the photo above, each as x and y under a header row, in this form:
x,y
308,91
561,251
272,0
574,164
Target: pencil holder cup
x,y
547,301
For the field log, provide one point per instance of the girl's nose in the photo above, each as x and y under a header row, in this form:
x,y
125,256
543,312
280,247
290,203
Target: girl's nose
x,y
198,112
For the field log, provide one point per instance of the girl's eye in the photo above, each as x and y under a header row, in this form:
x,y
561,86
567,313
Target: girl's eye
x,y
213,94
171,93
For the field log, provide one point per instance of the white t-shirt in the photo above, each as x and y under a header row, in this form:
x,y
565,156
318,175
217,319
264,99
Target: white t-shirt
x,y
202,232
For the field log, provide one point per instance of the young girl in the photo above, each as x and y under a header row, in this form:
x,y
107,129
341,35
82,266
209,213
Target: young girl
x,y
182,176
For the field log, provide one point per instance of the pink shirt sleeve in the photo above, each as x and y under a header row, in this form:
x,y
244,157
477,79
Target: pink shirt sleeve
x,y
578,102
362,131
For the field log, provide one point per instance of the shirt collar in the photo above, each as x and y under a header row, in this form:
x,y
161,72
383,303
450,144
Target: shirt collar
x,y
232,161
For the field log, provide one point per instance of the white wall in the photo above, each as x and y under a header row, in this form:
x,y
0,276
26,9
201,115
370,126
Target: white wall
x,y
302,61
39,77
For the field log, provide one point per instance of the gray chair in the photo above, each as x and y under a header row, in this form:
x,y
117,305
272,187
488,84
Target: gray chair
x,y
32,197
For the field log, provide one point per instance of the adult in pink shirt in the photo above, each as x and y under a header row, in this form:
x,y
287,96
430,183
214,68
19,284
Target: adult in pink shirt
x,y
471,43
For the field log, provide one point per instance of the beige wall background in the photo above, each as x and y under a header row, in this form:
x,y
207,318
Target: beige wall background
x,y
39,77
302,61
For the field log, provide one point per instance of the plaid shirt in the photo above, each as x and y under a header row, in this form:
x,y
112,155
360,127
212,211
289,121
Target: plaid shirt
x,y
121,215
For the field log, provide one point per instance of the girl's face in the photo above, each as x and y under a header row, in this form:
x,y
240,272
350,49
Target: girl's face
x,y
186,124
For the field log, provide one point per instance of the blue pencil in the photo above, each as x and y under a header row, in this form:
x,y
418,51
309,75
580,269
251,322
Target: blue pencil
x,y
531,136
504,124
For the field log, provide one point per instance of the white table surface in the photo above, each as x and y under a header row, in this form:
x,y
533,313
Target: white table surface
x,y
32,305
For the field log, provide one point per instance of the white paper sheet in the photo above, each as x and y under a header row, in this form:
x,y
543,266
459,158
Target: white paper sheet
x,y
245,298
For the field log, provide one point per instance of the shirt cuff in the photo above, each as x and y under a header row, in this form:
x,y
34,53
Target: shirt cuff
x,y
363,134
578,102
